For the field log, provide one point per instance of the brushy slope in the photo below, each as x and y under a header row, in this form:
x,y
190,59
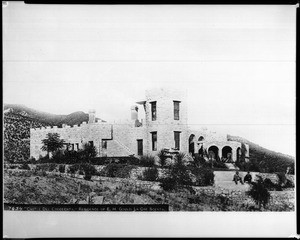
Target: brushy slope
x,y
266,160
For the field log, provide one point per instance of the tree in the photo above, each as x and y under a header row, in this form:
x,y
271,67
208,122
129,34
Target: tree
x,y
52,143
89,151
259,192
179,175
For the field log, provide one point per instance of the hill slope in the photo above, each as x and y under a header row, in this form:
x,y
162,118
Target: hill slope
x,y
18,119
48,118
264,159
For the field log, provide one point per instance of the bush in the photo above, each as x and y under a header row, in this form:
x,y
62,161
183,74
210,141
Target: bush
x,y
24,166
199,160
62,168
204,176
150,174
259,192
89,170
117,170
179,175
73,168
168,184
147,160
272,186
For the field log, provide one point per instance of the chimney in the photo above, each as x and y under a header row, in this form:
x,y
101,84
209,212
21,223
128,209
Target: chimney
x,y
92,113
134,112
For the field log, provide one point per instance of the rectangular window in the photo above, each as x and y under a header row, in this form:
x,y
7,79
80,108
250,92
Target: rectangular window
x,y
91,143
77,146
104,144
176,110
140,146
154,141
153,111
72,146
177,140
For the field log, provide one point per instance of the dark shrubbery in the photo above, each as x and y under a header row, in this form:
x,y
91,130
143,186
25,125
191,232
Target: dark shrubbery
x,y
89,170
204,176
62,168
259,192
150,174
24,166
117,170
178,176
147,161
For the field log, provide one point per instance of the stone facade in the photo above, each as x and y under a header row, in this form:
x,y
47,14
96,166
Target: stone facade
x,y
165,126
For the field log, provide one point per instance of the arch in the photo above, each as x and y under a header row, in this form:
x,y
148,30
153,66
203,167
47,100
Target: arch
x,y
213,152
238,154
227,154
201,138
192,144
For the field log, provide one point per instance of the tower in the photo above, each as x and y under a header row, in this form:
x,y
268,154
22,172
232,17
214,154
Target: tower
x,y
166,119
92,117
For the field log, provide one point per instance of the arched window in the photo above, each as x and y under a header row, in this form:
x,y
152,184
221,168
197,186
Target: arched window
x,y
201,138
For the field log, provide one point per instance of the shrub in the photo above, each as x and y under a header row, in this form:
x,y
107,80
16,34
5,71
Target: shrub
x,y
178,176
282,180
62,168
32,160
73,169
147,160
89,170
271,186
150,174
199,160
117,170
168,184
259,192
25,166
204,176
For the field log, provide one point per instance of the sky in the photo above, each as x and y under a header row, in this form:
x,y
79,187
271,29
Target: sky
x,y
237,63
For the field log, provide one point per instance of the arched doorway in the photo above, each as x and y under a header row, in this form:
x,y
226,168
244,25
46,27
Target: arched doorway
x,y
227,154
192,144
213,153
238,154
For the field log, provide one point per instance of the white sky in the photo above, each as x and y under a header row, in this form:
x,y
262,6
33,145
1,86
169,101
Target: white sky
x,y
236,62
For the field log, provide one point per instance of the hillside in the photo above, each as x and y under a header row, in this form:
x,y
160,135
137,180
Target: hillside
x,y
18,119
16,136
48,118
264,159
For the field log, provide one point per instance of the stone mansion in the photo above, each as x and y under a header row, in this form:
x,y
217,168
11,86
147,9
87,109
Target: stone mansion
x,y
164,127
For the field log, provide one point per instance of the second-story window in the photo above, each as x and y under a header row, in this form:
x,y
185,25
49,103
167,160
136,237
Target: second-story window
x,y
176,110
153,111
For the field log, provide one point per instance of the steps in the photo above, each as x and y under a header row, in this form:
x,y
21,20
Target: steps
x,y
127,149
231,166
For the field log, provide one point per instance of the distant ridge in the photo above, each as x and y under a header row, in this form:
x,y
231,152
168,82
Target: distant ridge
x,y
50,119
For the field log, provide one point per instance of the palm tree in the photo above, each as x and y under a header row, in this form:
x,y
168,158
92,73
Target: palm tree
x,y
52,143
162,155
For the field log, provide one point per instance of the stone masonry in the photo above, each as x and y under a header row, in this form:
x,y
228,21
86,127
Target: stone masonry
x,y
164,127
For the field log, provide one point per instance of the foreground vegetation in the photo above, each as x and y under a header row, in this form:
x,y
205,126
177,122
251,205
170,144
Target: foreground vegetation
x,y
38,187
